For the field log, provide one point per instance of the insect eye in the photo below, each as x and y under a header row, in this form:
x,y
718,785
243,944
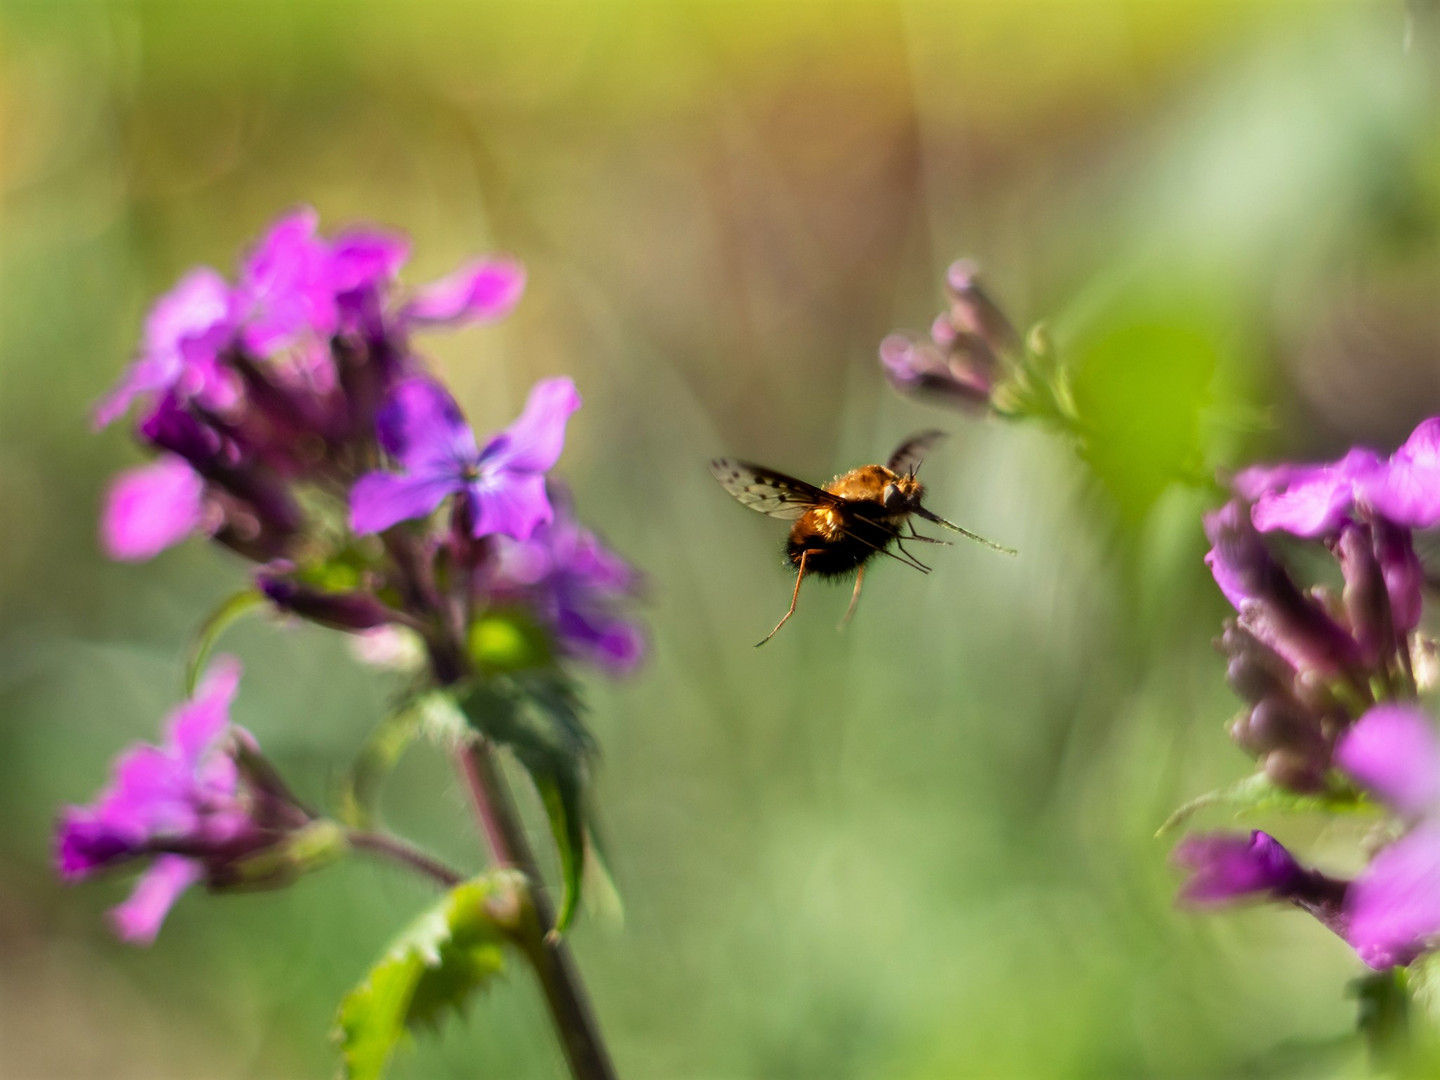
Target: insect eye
x,y
891,497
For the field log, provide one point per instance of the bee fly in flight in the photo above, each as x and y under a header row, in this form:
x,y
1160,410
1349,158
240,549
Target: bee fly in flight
x,y
840,527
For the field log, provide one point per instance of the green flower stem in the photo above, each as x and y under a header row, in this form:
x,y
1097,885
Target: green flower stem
x,y
392,847
559,978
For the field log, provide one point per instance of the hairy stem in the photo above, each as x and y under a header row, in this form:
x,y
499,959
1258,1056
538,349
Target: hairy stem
x,y
397,850
559,978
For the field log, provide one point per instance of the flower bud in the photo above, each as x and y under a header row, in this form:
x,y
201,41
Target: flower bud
x,y
1294,771
337,610
1366,599
971,309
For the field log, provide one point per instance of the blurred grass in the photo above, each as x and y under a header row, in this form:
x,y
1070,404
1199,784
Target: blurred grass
x,y
918,849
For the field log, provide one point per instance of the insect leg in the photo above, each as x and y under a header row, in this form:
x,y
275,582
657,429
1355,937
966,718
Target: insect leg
x,y
854,596
794,598
909,561
925,539
913,560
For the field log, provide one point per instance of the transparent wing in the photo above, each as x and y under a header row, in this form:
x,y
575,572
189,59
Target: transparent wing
x,y
909,454
766,490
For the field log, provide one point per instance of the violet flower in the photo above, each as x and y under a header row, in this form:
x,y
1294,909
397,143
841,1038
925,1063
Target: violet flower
x,y
1394,906
501,485
185,805
574,585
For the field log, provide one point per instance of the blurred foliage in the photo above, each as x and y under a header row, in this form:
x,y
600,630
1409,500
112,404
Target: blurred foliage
x,y
920,848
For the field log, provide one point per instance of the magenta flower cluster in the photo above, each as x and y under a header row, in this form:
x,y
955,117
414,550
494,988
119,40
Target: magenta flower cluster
x,y
292,421
201,806
1330,687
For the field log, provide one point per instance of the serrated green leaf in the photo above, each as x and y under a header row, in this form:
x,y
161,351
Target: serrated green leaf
x,y
440,960
203,642
1257,793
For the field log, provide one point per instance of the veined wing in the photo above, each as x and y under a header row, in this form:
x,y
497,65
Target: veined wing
x,y
909,454
768,491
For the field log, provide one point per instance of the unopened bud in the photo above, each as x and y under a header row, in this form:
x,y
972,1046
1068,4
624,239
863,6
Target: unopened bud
x,y
337,610
1294,771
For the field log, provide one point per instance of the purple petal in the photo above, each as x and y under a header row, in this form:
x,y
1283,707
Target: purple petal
x,y
484,290
1394,906
535,439
422,427
380,500
1407,490
149,508
138,919
366,258
196,726
1230,866
285,288
85,842
1312,500
1393,752
183,333
514,505
1403,573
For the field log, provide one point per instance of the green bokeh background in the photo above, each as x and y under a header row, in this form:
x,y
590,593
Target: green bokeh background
x,y
919,848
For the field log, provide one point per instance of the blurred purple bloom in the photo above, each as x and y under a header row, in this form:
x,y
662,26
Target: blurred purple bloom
x,y
573,584
180,801
286,287
1229,866
957,368
184,333
1393,752
1407,491
503,483
1307,500
149,508
480,291
1394,906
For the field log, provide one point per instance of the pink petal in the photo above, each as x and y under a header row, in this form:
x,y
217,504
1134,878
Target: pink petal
x,y
481,291
138,919
1394,752
198,724
1394,906
149,508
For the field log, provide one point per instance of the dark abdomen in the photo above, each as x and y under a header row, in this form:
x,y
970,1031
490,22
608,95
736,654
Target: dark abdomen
x,y
839,556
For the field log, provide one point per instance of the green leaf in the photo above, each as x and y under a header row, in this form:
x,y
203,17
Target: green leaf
x,y
1257,793
537,715
219,620
434,967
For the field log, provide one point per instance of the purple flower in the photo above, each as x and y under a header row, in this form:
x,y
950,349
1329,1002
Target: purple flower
x,y
1394,906
149,508
480,291
182,803
574,585
502,484
961,369
184,333
1228,866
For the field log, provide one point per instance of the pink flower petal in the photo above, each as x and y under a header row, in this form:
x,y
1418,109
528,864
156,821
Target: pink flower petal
x,y
1393,752
481,291
150,508
138,919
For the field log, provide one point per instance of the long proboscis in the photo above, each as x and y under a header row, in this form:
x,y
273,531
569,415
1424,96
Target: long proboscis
x,y
938,520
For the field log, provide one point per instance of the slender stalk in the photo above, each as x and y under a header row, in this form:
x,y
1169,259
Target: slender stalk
x,y
392,847
569,1006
